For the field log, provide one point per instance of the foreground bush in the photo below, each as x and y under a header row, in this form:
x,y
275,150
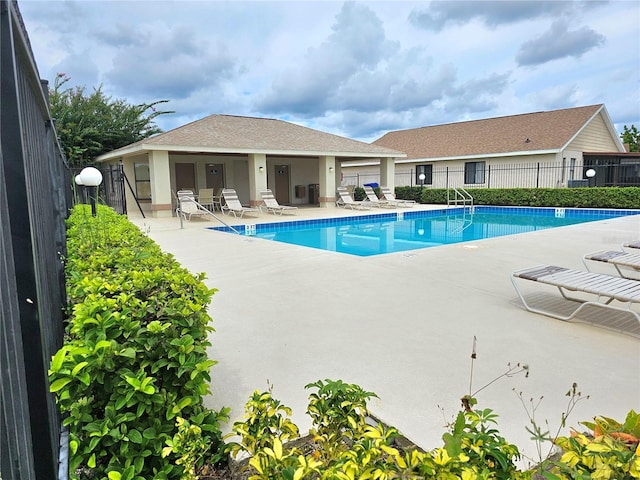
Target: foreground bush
x,y
347,444
134,358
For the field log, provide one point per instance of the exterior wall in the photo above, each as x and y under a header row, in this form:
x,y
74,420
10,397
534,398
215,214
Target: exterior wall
x,y
525,171
594,137
302,171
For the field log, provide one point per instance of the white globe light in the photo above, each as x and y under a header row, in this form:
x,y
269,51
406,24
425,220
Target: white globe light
x,y
91,177
591,173
78,180
422,176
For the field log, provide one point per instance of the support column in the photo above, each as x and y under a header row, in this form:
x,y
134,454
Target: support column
x,y
159,174
388,173
327,177
257,177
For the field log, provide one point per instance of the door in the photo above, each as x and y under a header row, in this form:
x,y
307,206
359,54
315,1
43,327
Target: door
x,y
215,176
282,184
186,177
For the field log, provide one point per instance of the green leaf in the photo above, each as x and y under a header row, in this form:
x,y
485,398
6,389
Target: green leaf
x,y
59,384
135,436
102,344
78,367
128,352
113,475
58,359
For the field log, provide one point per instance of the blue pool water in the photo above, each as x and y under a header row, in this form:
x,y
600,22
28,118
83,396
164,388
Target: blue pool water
x,y
399,231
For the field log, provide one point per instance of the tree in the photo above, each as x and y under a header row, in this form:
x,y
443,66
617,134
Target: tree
x,y
89,125
632,137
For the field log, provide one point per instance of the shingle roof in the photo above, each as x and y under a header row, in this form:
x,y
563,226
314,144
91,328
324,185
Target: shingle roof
x,y
544,130
231,133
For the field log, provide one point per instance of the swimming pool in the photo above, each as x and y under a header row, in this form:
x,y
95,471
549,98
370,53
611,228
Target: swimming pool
x,y
377,234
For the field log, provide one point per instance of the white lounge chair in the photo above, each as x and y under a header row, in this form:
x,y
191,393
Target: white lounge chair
x,y
347,201
623,262
390,197
272,205
233,205
187,205
604,288
373,199
633,245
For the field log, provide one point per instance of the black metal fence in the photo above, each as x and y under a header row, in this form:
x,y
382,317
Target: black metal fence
x,y
111,191
35,191
625,173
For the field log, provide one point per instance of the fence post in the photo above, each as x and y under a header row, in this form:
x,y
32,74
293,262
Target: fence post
x,y
538,175
489,177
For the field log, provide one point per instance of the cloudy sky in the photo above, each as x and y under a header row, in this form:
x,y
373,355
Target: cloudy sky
x,y
357,69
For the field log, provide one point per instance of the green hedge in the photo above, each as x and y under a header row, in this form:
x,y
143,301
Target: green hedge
x,y
135,358
596,197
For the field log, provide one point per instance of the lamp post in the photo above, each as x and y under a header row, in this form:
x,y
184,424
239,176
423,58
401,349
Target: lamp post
x,y
590,174
80,185
91,177
422,176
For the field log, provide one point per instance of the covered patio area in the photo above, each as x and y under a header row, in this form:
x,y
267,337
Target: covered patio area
x,y
300,165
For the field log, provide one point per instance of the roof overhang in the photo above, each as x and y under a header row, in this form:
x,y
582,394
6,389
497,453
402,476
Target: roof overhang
x,y
143,148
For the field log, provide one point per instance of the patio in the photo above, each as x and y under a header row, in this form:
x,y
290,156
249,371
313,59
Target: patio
x,y
402,325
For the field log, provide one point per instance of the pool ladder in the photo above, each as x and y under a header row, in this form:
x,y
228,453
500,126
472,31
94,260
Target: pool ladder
x,y
460,222
459,196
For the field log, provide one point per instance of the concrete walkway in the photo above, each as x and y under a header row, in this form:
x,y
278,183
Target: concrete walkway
x,y
402,325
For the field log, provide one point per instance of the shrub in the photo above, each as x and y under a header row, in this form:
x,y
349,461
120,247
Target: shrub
x,y
595,197
610,450
349,444
134,358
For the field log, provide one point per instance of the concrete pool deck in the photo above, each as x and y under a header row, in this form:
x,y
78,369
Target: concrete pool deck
x,y
402,325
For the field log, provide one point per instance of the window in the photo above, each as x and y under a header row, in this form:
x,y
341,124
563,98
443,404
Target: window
x,y
143,181
474,172
572,169
428,174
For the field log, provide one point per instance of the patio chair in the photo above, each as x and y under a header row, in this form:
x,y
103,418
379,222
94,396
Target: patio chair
x,y
373,199
233,205
187,205
345,200
633,245
604,289
205,197
623,262
390,197
272,205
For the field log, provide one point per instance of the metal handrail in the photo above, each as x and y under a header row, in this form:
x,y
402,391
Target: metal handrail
x,y
461,196
205,209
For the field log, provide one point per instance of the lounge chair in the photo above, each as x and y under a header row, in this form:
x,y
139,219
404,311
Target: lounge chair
x,y
605,288
233,205
374,200
623,262
390,197
632,245
272,205
347,201
187,205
